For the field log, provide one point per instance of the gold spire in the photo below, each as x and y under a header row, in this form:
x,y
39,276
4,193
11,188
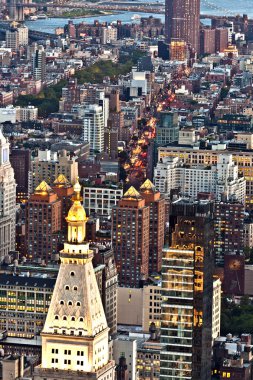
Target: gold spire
x,y
43,189
148,186
76,212
76,217
132,193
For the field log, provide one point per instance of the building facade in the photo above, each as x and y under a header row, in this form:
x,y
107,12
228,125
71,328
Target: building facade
x,y
7,200
187,288
130,238
43,222
182,21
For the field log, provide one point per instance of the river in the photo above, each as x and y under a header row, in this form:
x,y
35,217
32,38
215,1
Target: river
x,y
216,7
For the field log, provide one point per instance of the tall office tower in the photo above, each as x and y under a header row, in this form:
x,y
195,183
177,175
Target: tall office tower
x,y
187,286
167,130
48,166
43,221
7,200
21,162
39,64
182,21
156,224
93,118
64,190
130,238
75,334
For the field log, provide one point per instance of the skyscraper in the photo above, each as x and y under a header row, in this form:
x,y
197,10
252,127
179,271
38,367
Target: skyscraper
x,y
156,205
75,334
93,118
182,21
39,64
43,222
21,162
187,288
7,200
130,238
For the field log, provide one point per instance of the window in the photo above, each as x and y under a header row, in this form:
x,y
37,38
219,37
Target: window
x,y
56,317
61,302
75,288
73,319
78,304
67,287
70,303
72,274
64,318
81,319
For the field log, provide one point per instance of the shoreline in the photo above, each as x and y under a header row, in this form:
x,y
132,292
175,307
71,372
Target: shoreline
x,y
82,16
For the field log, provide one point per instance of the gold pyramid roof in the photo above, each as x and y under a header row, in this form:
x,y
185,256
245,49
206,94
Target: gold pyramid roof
x,y
132,193
43,188
61,180
148,186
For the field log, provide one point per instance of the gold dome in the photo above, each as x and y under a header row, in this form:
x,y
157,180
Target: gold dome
x,y
76,213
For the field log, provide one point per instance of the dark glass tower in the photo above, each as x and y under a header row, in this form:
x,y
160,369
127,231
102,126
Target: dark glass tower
x,y
187,288
182,20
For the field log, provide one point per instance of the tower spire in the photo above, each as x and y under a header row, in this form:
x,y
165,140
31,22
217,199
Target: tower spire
x,y
76,218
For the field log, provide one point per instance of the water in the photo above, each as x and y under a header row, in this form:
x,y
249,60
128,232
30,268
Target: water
x,y
216,7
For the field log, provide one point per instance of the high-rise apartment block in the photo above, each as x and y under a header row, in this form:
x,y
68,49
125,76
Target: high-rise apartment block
x,y
43,221
156,205
93,118
130,238
229,230
7,200
182,21
220,178
187,288
48,166
75,334
16,37
39,64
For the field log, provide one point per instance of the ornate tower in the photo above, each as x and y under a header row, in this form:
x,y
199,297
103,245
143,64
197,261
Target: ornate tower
x,y
75,335
7,200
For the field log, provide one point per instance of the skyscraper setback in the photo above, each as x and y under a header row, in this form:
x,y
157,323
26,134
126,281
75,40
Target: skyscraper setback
x,y
182,19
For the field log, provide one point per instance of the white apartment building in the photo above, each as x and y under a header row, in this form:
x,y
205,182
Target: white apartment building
x,y
220,178
100,200
93,119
